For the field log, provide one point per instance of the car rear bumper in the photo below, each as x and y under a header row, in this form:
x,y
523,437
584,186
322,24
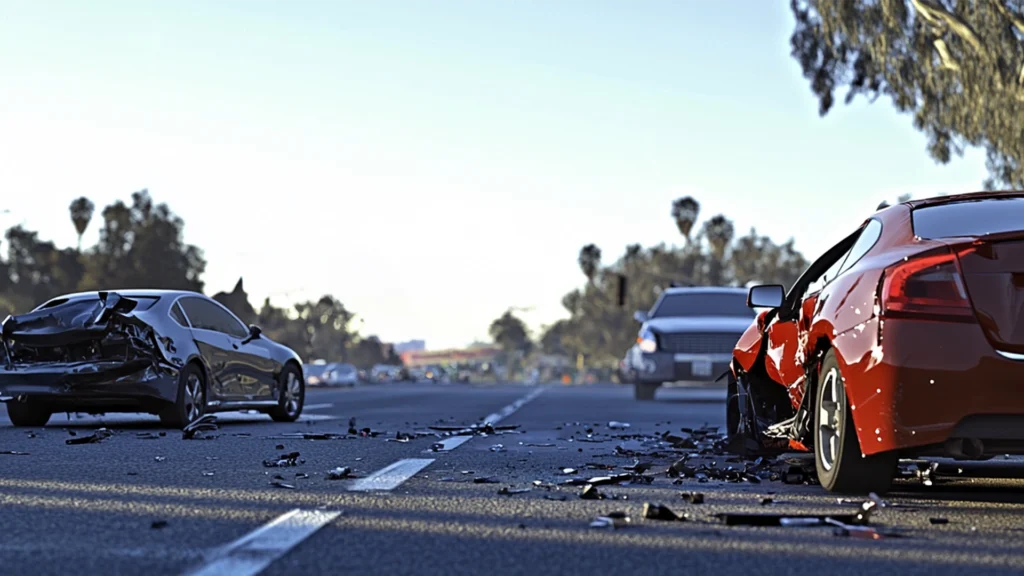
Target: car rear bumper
x,y
676,367
924,383
67,386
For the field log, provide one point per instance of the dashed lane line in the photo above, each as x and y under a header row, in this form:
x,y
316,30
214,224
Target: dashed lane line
x,y
252,553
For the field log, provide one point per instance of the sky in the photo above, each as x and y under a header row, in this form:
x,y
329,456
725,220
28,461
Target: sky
x,y
432,163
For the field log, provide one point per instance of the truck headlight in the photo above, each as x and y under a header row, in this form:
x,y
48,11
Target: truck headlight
x,y
647,341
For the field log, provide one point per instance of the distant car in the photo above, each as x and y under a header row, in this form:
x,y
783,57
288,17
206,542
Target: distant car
x,y
904,340
314,374
177,354
688,335
340,375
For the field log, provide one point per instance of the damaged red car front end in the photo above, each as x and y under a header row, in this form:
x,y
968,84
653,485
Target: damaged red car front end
x,y
903,340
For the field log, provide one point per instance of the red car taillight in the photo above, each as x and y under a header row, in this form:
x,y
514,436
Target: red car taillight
x,y
927,286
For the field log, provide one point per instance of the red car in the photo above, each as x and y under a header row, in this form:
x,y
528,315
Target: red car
x,y
904,340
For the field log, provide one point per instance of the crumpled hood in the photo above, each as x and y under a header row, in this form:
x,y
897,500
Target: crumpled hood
x,y
676,324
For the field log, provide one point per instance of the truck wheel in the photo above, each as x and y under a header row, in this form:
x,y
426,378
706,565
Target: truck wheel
x,y
840,464
27,414
644,391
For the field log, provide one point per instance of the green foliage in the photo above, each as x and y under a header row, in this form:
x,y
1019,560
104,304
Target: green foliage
x,y
956,65
602,330
141,245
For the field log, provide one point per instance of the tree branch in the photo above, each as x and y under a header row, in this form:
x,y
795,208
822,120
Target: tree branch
x,y
947,60
939,16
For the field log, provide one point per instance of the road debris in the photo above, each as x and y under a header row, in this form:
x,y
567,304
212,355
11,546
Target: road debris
x,y
613,425
14,453
486,480
475,430
94,438
197,429
160,458
284,460
939,520
662,512
158,524
612,520
280,484
150,435
693,497
590,492
508,491
340,473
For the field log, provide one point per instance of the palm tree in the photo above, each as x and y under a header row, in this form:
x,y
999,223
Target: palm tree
x,y
685,212
590,261
719,232
81,214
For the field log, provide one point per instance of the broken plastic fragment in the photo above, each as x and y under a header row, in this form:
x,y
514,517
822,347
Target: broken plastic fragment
x,y
195,430
94,438
662,512
339,473
614,425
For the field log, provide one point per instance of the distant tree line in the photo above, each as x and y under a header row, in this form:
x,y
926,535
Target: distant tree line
x,y
141,245
711,255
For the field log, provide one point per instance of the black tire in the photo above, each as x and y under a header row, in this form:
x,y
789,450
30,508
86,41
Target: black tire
x,y
292,396
27,414
190,404
840,464
644,391
732,412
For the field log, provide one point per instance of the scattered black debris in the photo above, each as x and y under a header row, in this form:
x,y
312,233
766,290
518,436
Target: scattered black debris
x,y
507,491
486,480
197,430
279,447
284,460
150,435
612,520
693,497
766,501
939,520
662,512
735,519
280,484
301,475
340,473
94,438
14,453
476,430
536,445
158,524
437,447
590,492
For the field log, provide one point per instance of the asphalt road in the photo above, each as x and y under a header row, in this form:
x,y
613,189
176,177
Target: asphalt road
x,y
163,505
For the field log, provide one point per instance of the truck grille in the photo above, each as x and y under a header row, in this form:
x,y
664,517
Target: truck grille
x,y
700,342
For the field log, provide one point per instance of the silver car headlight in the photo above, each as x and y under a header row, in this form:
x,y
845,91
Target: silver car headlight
x,y
647,341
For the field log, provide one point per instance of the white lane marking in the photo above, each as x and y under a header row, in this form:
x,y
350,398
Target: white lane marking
x,y
252,553
391,477
511,408
317,406
450,443
396,474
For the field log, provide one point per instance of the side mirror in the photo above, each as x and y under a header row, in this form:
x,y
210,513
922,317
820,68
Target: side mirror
x,y
640,316
254,333
766,296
